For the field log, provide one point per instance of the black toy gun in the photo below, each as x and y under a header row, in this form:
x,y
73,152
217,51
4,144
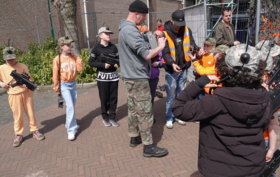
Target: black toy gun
x,y
272,165
22,79
60,101
194,51
110,59
274,88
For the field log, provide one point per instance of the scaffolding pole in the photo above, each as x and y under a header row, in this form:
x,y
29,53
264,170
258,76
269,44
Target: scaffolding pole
x,y
258,21
236,16
205,18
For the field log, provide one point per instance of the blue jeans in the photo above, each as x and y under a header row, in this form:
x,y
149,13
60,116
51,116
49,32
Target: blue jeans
x,y
202,93
175,83
69,93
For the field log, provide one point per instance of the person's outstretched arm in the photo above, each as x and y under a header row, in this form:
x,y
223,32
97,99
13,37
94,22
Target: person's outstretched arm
x,y
187,108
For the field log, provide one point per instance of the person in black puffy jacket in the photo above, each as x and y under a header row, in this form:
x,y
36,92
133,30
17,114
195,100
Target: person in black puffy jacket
x,y
232,120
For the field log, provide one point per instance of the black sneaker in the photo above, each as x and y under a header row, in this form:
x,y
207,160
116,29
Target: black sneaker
x,y
154,151
134,141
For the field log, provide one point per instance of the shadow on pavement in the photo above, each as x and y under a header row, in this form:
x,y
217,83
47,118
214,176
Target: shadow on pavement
x,y
196,174
49,125
122,111
159,116
86,121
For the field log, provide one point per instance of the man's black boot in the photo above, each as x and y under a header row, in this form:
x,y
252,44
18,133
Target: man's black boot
x,y
134,141
154,151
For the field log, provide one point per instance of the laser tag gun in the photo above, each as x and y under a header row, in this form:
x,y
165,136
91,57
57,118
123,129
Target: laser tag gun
x,y
22,79
150,39
151,42
60,101
194,51
274,88
159,94
110,59
272,166
162,88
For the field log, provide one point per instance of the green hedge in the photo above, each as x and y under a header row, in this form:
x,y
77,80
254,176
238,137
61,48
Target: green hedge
x,y
39,59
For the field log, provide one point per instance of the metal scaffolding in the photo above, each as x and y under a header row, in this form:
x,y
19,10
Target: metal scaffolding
x,y
212,15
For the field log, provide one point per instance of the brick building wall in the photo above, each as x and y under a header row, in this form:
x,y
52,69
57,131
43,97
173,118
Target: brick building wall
x,y
18,23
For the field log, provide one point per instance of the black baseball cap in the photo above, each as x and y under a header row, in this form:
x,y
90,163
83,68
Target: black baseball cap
x,y
178,17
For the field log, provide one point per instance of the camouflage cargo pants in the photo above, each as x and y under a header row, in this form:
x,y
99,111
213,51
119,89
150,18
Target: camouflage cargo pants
x,y
140,114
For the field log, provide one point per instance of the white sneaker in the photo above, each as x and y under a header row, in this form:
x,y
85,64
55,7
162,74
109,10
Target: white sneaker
x,y
180,121
169,124
71,136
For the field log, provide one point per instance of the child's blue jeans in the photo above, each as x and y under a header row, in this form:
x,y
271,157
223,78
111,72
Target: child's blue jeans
x,y
69,93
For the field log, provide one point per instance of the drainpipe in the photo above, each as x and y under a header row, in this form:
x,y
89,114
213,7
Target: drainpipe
x,y
148,15
50,19
86,20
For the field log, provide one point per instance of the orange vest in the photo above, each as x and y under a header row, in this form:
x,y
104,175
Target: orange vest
x,y
186,45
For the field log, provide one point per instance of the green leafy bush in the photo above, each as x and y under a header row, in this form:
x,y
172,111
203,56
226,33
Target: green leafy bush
x,y
39,59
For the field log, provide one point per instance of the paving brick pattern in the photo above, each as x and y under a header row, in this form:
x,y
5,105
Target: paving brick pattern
x,y
98,150
42,100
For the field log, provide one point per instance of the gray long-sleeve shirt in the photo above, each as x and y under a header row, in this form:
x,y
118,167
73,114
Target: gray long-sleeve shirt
x,y
133,51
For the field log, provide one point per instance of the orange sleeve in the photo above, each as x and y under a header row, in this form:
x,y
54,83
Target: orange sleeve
x,y
79,64
55,74
201,70
266,135
1,68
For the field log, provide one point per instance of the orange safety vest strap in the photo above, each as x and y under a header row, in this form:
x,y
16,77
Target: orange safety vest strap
x,y
171,47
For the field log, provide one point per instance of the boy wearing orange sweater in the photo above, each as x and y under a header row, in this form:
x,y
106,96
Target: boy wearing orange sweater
x,y
19,96
70,64
206,65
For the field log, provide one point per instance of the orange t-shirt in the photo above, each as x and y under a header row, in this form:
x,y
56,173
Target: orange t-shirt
x,y
69,66
5,71
142,28
207,60
206,65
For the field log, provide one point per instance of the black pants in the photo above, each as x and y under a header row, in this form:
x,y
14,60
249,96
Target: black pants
x,y
108,94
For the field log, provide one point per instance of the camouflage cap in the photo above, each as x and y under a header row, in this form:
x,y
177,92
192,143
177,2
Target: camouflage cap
x,y
269,61
64,40
210,41
9,53
220,49
264,46
233,58
104,30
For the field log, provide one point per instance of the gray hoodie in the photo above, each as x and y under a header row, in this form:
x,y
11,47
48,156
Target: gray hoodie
x,y
132,52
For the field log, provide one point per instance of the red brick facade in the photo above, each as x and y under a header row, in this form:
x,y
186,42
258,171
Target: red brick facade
x,y
18,19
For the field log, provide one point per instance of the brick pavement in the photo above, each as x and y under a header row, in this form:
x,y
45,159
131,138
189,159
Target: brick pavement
x,y
98,150
42,99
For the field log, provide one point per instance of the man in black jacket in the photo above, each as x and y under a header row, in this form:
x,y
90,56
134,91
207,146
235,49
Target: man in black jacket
x,y
176,60
233,119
